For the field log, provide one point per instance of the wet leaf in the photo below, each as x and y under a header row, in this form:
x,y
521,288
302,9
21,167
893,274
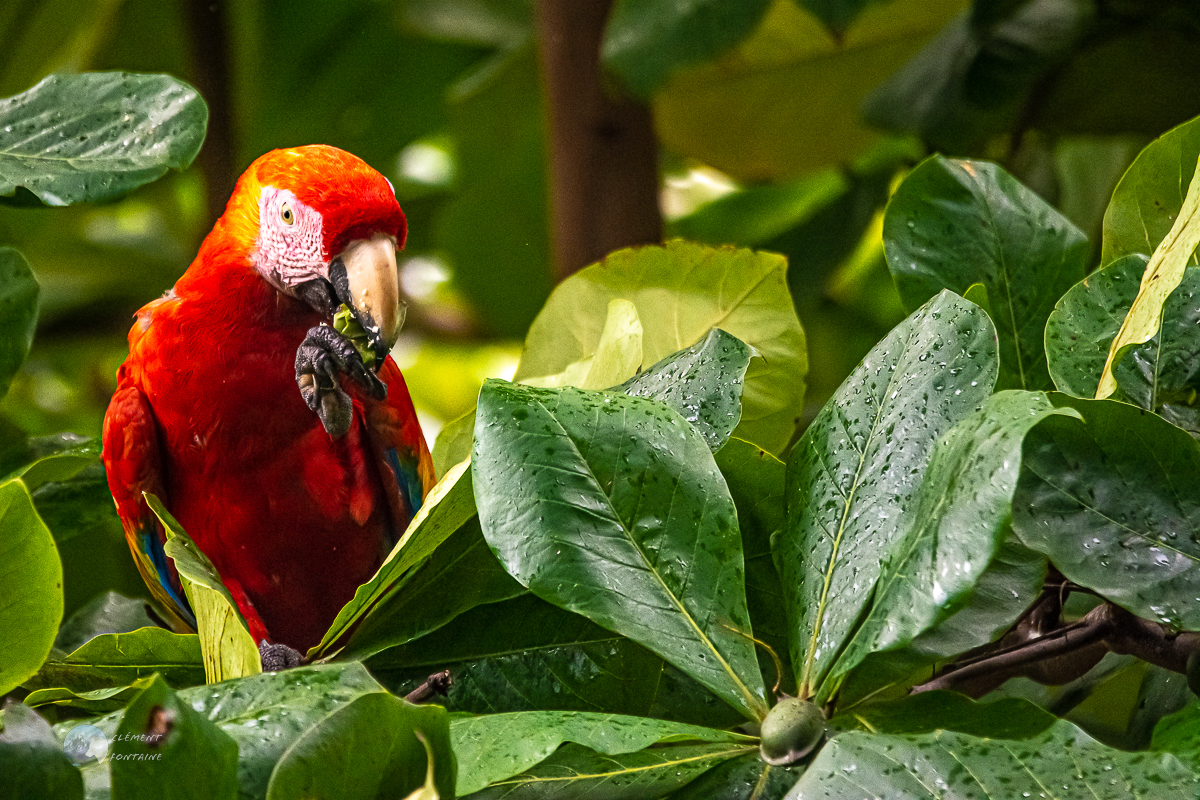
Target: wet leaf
x,y
118,659
162,741
611,506
674,290
1108,500
98,701
1179,734
108,612
55,458
702,383
32,760
745,777
18,313
493,747
1007,718
375,746
859,465
95,136
954,223
1063,761
31,593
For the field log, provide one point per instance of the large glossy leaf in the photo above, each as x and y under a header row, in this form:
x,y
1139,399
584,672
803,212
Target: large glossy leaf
x,y
229,649
18,313
646,40
1109,501
493,747
108,612
55,458
703,383
31,594
263,713
611,506
617,357
1163,274
682,291
952,224
753,113
953,527
526,654
926,712
97,701
859,464
96,136
118,659
575,771
376,746
1148,198
745,777
1179,734
1064,763
1086,319
31,759
162,741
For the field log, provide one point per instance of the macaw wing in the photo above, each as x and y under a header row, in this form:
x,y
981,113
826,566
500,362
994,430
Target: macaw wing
x,y
395,434
134,465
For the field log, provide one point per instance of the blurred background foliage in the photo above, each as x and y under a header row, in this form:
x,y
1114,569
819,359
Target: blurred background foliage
x,y
782,125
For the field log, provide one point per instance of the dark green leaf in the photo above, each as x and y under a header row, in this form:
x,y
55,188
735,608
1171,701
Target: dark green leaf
x,y
97,701
31,759
837,14
682,291
952,527
105,613
118,659
376,746
525,654
31,593
493,747
56,458
1063,762
96,136
860,464
1008,718
163,742
745,777
647,40
953,224
1108,500
611,506
1086,319
703,383
575,771
1150,195
1179,734
18,313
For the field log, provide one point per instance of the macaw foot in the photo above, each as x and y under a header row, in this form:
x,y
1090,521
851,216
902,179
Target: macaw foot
x,y
321,358
278,656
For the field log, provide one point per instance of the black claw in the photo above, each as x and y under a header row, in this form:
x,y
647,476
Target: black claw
x,y
321,358
275,657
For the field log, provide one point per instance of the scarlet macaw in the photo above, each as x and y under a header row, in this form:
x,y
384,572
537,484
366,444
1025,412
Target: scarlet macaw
x,y
292,465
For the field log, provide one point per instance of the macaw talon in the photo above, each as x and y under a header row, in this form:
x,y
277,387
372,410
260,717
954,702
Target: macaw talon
x,y
276,656
322,356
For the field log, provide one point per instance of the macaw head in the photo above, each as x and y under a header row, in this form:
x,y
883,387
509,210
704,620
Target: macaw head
x,y
322,226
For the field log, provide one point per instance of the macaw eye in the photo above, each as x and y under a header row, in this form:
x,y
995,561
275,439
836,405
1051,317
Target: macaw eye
x,y
285,213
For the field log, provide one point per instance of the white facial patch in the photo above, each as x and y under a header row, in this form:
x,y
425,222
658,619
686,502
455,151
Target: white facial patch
x,y
290,244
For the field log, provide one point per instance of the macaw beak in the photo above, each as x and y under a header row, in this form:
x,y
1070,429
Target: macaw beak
x,y
366,279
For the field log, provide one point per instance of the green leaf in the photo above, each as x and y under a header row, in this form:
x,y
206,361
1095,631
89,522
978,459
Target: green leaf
x,y
702,383
56,458
453,443
1064,762
952,528
611,506
1007,718
18,313
96,136
118,659
1149,197
373,747
575,771
1179,734
681,292
108,612
266,713
837,14
1084,322
493,747
31,759
1073,503
98,701
229,649
526,654
952,224
449,506
745,777
786,101
1163,274
31,593
756,483
618,354
164,742
859,465
647,40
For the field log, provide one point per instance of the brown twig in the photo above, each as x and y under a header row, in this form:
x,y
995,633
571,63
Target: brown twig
x,y
438,683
